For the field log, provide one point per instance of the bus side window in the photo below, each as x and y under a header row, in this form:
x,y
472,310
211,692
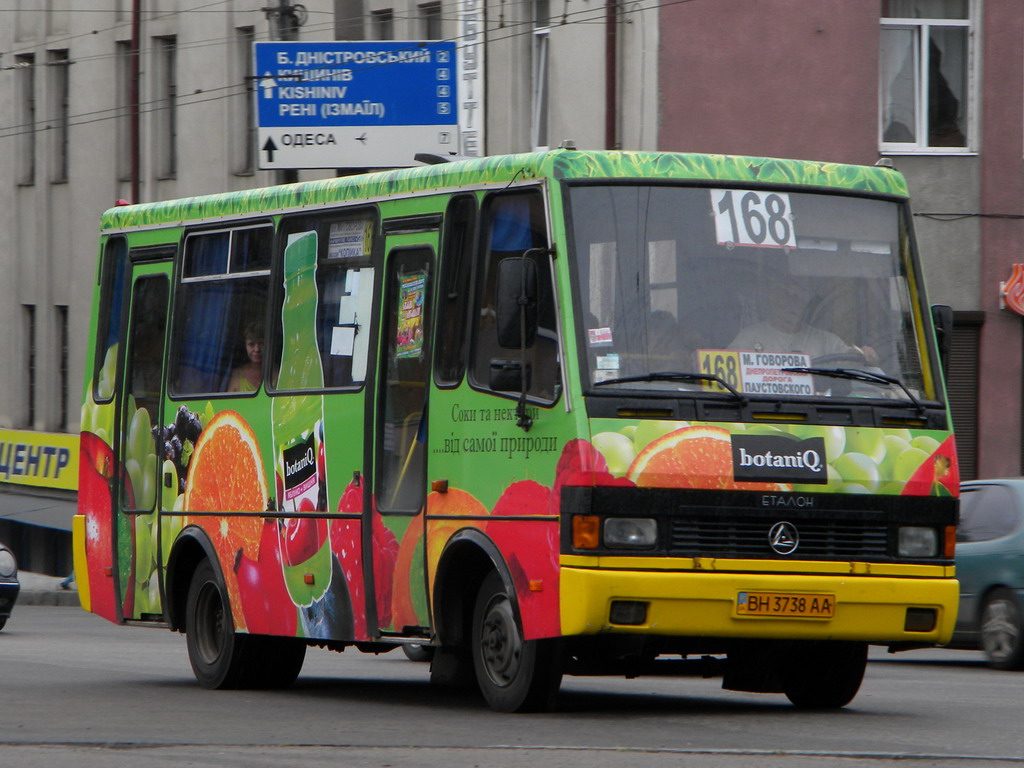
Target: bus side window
x,y
453,297
514,223
345,280
115,260
223,297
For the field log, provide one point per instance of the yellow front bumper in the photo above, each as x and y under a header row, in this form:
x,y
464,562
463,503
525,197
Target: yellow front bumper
x,y
700,600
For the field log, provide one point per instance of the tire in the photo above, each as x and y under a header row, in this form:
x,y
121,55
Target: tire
x,y
272,662
513,675
214,650
222,658
417,652
824,675
3,622
1002,630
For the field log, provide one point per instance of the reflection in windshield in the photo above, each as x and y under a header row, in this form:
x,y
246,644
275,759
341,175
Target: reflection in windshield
x,y
742,284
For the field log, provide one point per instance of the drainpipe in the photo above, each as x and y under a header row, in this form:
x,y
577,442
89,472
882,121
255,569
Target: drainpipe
x,y
133,101
611,68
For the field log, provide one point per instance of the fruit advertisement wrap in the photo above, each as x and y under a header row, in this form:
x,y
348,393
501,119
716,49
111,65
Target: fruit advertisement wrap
x,y
280,573
803,458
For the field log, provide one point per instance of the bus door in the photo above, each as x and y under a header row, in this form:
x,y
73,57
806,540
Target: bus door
x,y
400,435
139,453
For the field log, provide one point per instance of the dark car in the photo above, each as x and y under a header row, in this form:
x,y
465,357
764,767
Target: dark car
x,y
9,585
990,568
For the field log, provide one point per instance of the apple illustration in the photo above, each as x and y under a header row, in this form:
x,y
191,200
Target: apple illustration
x,y
95,472
302,537
266,604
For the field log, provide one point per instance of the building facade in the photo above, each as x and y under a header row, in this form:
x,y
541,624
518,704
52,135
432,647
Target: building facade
x,y
934,86
154,100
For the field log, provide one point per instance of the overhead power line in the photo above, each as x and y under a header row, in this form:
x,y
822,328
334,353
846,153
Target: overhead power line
x,y
507,31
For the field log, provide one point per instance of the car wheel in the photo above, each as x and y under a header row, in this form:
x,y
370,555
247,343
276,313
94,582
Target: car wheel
x,y
514,675
1002,630
825,675
3,622
417,652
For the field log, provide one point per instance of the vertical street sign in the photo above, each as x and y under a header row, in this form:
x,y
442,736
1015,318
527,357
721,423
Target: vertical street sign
x,y
355,104
471,77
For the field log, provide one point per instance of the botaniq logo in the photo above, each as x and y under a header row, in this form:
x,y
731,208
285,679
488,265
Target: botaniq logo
x,y
779,458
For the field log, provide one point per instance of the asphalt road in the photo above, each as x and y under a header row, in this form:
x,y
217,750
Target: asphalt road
x,y
78,691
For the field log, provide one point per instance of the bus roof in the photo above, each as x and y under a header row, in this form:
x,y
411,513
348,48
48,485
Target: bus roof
x,y
505,169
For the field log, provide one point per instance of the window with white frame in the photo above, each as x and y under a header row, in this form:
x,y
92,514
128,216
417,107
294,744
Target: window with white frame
x,y
25,156
539,106
123,103
165,107
430,21
243,107
60,92
383,22
925,69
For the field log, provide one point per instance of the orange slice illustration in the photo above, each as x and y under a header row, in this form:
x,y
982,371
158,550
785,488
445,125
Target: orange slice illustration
x,y
692,457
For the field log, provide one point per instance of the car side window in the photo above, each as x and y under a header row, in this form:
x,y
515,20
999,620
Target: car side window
x,y
986,512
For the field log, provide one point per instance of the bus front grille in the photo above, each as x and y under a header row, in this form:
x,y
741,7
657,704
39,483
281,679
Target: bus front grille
x,y
699,536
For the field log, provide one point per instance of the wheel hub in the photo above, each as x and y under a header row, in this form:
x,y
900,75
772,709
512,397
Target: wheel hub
x,y
501,645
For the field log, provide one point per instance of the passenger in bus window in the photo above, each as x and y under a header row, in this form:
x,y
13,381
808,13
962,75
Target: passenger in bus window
x,y
247,376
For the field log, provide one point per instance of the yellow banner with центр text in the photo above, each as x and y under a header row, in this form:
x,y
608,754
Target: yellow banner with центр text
x,y
40,459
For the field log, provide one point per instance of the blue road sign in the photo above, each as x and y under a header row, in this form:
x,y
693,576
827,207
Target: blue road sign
x,y
307,85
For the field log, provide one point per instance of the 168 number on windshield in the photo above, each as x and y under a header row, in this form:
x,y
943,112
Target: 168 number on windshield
x,y
723,364
748,217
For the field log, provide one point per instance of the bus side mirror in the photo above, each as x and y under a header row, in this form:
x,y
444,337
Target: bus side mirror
x,y
516,302
942,319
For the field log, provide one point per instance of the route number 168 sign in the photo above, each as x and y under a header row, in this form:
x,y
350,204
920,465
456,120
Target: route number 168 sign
x,y
749,217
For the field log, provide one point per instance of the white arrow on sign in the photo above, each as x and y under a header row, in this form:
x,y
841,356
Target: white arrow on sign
x,y
267,83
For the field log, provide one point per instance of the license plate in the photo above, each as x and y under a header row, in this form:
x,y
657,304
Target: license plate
x,y
816,606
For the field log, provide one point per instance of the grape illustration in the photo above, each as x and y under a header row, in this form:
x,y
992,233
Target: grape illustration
x,y
178,440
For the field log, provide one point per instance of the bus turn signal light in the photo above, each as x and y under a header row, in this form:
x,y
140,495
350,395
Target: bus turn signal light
x,y
949,550
586,532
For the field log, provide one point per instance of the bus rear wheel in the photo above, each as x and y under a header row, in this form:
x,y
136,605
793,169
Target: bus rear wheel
x,y
825,675
514,675
222,658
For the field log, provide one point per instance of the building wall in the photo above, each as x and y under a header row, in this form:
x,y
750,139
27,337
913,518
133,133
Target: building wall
x,y
777,78
1002,237
49,252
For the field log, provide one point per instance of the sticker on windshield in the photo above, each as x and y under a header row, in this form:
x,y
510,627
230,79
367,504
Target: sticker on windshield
x,y
756,373
608,362
749,217
600,336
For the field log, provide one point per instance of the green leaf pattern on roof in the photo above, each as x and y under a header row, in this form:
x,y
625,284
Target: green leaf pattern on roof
x,y
558,164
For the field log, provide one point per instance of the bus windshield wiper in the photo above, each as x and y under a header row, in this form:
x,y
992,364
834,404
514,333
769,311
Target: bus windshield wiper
x,y
675,376
856,374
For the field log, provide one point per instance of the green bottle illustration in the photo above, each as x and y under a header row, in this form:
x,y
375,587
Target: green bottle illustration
x,y
298,421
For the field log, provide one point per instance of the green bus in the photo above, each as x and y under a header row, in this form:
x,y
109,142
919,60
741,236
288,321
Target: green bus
x,y
560,413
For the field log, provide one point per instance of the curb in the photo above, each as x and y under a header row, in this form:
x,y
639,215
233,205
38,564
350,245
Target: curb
x,y
66,597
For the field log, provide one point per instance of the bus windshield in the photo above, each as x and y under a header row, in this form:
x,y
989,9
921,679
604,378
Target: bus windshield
x,y
765,293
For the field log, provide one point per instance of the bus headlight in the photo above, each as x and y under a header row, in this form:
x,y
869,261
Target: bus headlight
x,y
630,532
918,541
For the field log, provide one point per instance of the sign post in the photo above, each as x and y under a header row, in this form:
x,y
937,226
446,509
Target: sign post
x,y
355,104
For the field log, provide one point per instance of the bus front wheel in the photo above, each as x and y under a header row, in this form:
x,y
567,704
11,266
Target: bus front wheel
x,y
514,675
825,675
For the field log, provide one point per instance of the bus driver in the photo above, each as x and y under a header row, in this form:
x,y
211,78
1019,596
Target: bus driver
x,y
784,329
